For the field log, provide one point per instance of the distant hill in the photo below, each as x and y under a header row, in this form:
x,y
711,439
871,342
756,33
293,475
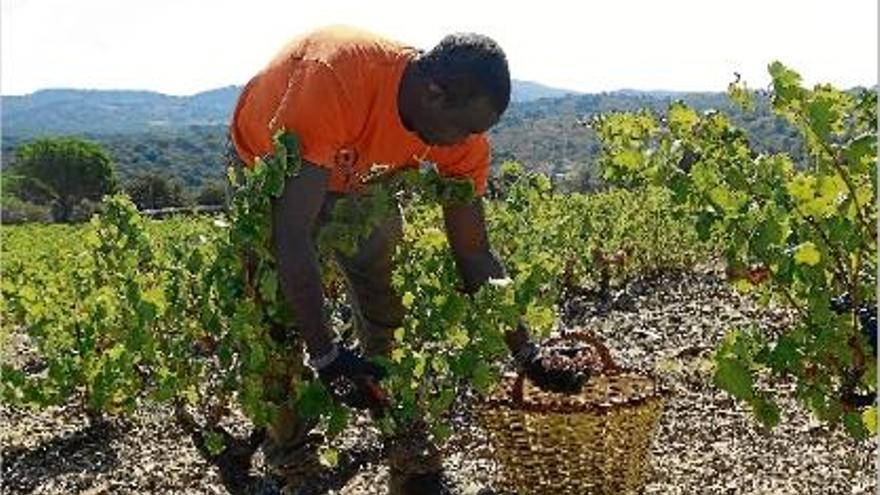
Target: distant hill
x,y
69,111
184,135
523,91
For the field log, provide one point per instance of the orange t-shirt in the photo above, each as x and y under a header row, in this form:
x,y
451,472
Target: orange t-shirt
x,y
336,88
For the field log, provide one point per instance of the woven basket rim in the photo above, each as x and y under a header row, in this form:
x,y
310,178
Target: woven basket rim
x,y
660,393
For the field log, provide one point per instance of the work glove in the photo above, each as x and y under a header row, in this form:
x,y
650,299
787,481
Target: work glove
x,y
352,380
541,371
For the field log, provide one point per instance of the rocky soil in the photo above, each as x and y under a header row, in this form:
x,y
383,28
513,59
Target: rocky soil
x,y
706,443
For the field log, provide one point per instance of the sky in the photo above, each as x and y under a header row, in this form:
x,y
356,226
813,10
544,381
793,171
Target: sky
x,y
183,47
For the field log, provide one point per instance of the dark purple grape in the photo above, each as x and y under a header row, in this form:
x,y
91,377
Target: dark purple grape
x,y
868,322
842,303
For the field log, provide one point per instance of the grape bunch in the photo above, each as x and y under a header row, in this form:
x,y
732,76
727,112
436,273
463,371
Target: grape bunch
x,y
867,315
572,358
868,320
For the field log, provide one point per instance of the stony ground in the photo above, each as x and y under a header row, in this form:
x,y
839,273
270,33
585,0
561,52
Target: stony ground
x,y
705,444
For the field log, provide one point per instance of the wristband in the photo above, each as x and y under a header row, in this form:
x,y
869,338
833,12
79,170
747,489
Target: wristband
x,y
526,353
321,362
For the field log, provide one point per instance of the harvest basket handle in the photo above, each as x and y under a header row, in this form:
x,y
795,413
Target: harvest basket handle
x,y
585,336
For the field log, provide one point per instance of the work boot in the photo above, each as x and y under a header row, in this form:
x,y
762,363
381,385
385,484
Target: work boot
x,y
296,465
433,483
415,464
290,449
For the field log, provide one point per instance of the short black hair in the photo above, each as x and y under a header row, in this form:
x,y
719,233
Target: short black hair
x,y
468,65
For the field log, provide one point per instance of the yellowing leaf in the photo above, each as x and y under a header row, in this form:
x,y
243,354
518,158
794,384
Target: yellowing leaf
x,y
743,285
408,299
540,318
831,191
458,337
869,419
329,457
628,159
807,254
682,118
419,368
397,355
802,188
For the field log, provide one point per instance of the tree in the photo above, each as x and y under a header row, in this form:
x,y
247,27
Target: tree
x,y
212,193
61,172
150,190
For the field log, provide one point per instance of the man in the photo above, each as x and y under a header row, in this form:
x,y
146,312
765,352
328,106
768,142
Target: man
x,y
356,100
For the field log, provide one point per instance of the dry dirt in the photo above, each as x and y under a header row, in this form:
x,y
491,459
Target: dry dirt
x,y
706,443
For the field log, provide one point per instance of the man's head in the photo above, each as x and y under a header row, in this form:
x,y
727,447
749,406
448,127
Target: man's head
x,y
465,87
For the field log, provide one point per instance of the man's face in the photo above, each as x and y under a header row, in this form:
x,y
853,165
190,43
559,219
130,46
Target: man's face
x,y
446,124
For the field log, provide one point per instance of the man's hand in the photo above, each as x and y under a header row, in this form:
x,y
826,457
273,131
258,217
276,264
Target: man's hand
x,y
536,368
352,380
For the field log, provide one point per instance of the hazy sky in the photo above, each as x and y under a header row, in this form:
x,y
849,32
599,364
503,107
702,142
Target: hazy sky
x,y
186,46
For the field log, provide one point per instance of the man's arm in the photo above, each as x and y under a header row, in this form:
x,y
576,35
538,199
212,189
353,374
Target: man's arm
x,y
349,378
294,216
466,230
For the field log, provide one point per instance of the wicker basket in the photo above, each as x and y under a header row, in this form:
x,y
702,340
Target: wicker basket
x,y
596,442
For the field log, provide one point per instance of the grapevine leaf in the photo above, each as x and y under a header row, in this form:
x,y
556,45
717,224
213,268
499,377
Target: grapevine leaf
x,y
869,419
766,410
807,254
214,443
733,375
329,457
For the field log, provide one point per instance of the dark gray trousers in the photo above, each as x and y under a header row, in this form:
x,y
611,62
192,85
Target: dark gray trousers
x,y
378,311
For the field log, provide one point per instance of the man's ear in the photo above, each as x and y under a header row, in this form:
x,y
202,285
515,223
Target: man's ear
x,y
435,96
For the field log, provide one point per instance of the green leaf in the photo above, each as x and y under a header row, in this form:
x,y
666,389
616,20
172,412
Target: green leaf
x,y
820,113
785,355
312,399
338,420
441,402
739,94
482,378
766,410
854,425
734,376
786,83
682,119
861,153
269,285
770,235
441,432
214,443
156,297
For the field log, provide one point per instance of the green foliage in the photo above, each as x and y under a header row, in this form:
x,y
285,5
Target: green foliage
x,y
166,311
212,193
62,172
15,210
796,237
162,135
151,191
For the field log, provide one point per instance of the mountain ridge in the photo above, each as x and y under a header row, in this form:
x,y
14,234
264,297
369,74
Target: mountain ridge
x,y
97,111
